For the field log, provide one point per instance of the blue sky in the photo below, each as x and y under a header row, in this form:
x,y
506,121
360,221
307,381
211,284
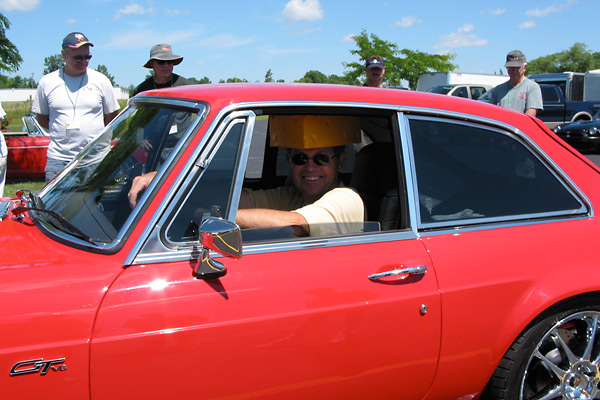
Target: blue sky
x,y
226,38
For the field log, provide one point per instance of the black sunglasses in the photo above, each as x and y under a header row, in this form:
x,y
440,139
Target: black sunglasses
x,y
319,159
82,58
162,62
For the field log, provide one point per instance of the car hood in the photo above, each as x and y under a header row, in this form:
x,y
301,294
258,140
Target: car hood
x,y
22,244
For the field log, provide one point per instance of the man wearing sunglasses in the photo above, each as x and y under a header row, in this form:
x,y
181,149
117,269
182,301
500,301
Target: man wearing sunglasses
x,y
317,203
161,62
73,103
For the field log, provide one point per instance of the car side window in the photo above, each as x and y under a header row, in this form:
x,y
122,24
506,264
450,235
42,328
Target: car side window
x,y
211,193
469,172
461,92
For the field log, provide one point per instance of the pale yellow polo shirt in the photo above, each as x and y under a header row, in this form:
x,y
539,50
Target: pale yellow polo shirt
x,y
339,211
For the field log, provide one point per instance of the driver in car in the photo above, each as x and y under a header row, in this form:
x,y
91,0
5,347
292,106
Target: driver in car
x,y
316,203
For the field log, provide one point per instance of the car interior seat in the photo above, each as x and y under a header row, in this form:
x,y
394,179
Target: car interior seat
x,y
375,178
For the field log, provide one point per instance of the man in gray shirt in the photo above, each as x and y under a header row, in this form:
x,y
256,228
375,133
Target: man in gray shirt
x,y
518,93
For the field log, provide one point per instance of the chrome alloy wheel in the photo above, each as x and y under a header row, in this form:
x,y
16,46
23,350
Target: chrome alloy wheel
x,y
565,362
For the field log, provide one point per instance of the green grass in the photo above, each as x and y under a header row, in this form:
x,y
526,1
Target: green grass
x,y
14,111
10,188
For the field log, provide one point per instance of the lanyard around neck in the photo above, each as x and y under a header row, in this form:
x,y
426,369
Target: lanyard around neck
x,y
516,91
67,90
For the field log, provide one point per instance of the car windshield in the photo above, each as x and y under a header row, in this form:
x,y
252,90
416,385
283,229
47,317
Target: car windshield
x,y
91,192
441,89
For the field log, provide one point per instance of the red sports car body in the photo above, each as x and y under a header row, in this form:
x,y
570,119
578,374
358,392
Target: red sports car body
x,y
470,278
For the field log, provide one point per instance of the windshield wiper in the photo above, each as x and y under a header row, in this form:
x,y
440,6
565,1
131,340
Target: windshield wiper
x,y
63,221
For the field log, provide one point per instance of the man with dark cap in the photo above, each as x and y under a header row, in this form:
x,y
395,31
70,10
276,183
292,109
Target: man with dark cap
x,y
162,61
375,69
73,103
518,93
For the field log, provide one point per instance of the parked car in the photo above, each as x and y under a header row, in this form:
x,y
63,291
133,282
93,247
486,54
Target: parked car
x,y
472,275
27,151
461,90
583,135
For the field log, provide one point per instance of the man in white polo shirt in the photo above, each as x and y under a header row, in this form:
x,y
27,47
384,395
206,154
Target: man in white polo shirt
x,y
73,103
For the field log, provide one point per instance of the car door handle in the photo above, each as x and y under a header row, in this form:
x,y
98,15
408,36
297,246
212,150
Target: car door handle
x,y
400,273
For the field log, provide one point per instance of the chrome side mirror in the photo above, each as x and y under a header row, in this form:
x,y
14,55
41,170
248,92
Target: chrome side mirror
x,y
221,236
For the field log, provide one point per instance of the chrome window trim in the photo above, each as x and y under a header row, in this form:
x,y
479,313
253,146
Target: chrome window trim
x,y
164,254
189,253
494,225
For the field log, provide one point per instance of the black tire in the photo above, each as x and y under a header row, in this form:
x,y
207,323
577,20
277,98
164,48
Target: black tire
x,y
557,357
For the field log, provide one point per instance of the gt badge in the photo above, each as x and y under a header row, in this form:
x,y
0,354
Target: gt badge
x,y
38,365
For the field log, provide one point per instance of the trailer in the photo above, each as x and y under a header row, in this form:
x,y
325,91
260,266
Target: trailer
x,y
432,79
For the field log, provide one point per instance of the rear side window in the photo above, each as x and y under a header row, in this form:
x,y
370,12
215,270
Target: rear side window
x,y
470,172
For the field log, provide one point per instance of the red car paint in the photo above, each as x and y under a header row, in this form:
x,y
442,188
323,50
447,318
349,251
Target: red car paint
x,y
293,319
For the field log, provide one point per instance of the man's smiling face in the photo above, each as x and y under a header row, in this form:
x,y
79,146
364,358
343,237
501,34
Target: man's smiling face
x,y
315,180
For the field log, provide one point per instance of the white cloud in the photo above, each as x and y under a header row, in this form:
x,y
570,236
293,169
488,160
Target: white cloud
x,y
71,21
527,25
303,10
408,21
556,7
133,9
348,38
461,38
19,5
498,11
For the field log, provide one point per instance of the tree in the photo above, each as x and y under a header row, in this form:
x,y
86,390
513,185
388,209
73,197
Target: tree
x,y
53,63
202,81
577,59
269,76
314,76
10,59
234,80
103,70
17,82
400,65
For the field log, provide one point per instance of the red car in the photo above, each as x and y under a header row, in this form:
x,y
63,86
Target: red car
x,y
473,276
27,151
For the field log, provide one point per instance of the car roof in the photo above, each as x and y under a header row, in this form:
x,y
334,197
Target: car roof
x,y
222,95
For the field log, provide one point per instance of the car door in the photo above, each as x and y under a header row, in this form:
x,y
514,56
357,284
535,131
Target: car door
x,y
303,318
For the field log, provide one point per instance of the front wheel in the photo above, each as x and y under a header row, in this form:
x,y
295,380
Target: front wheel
x,y
556,358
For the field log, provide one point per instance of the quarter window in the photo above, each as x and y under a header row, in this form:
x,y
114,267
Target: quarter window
x,y
211,193
469,172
